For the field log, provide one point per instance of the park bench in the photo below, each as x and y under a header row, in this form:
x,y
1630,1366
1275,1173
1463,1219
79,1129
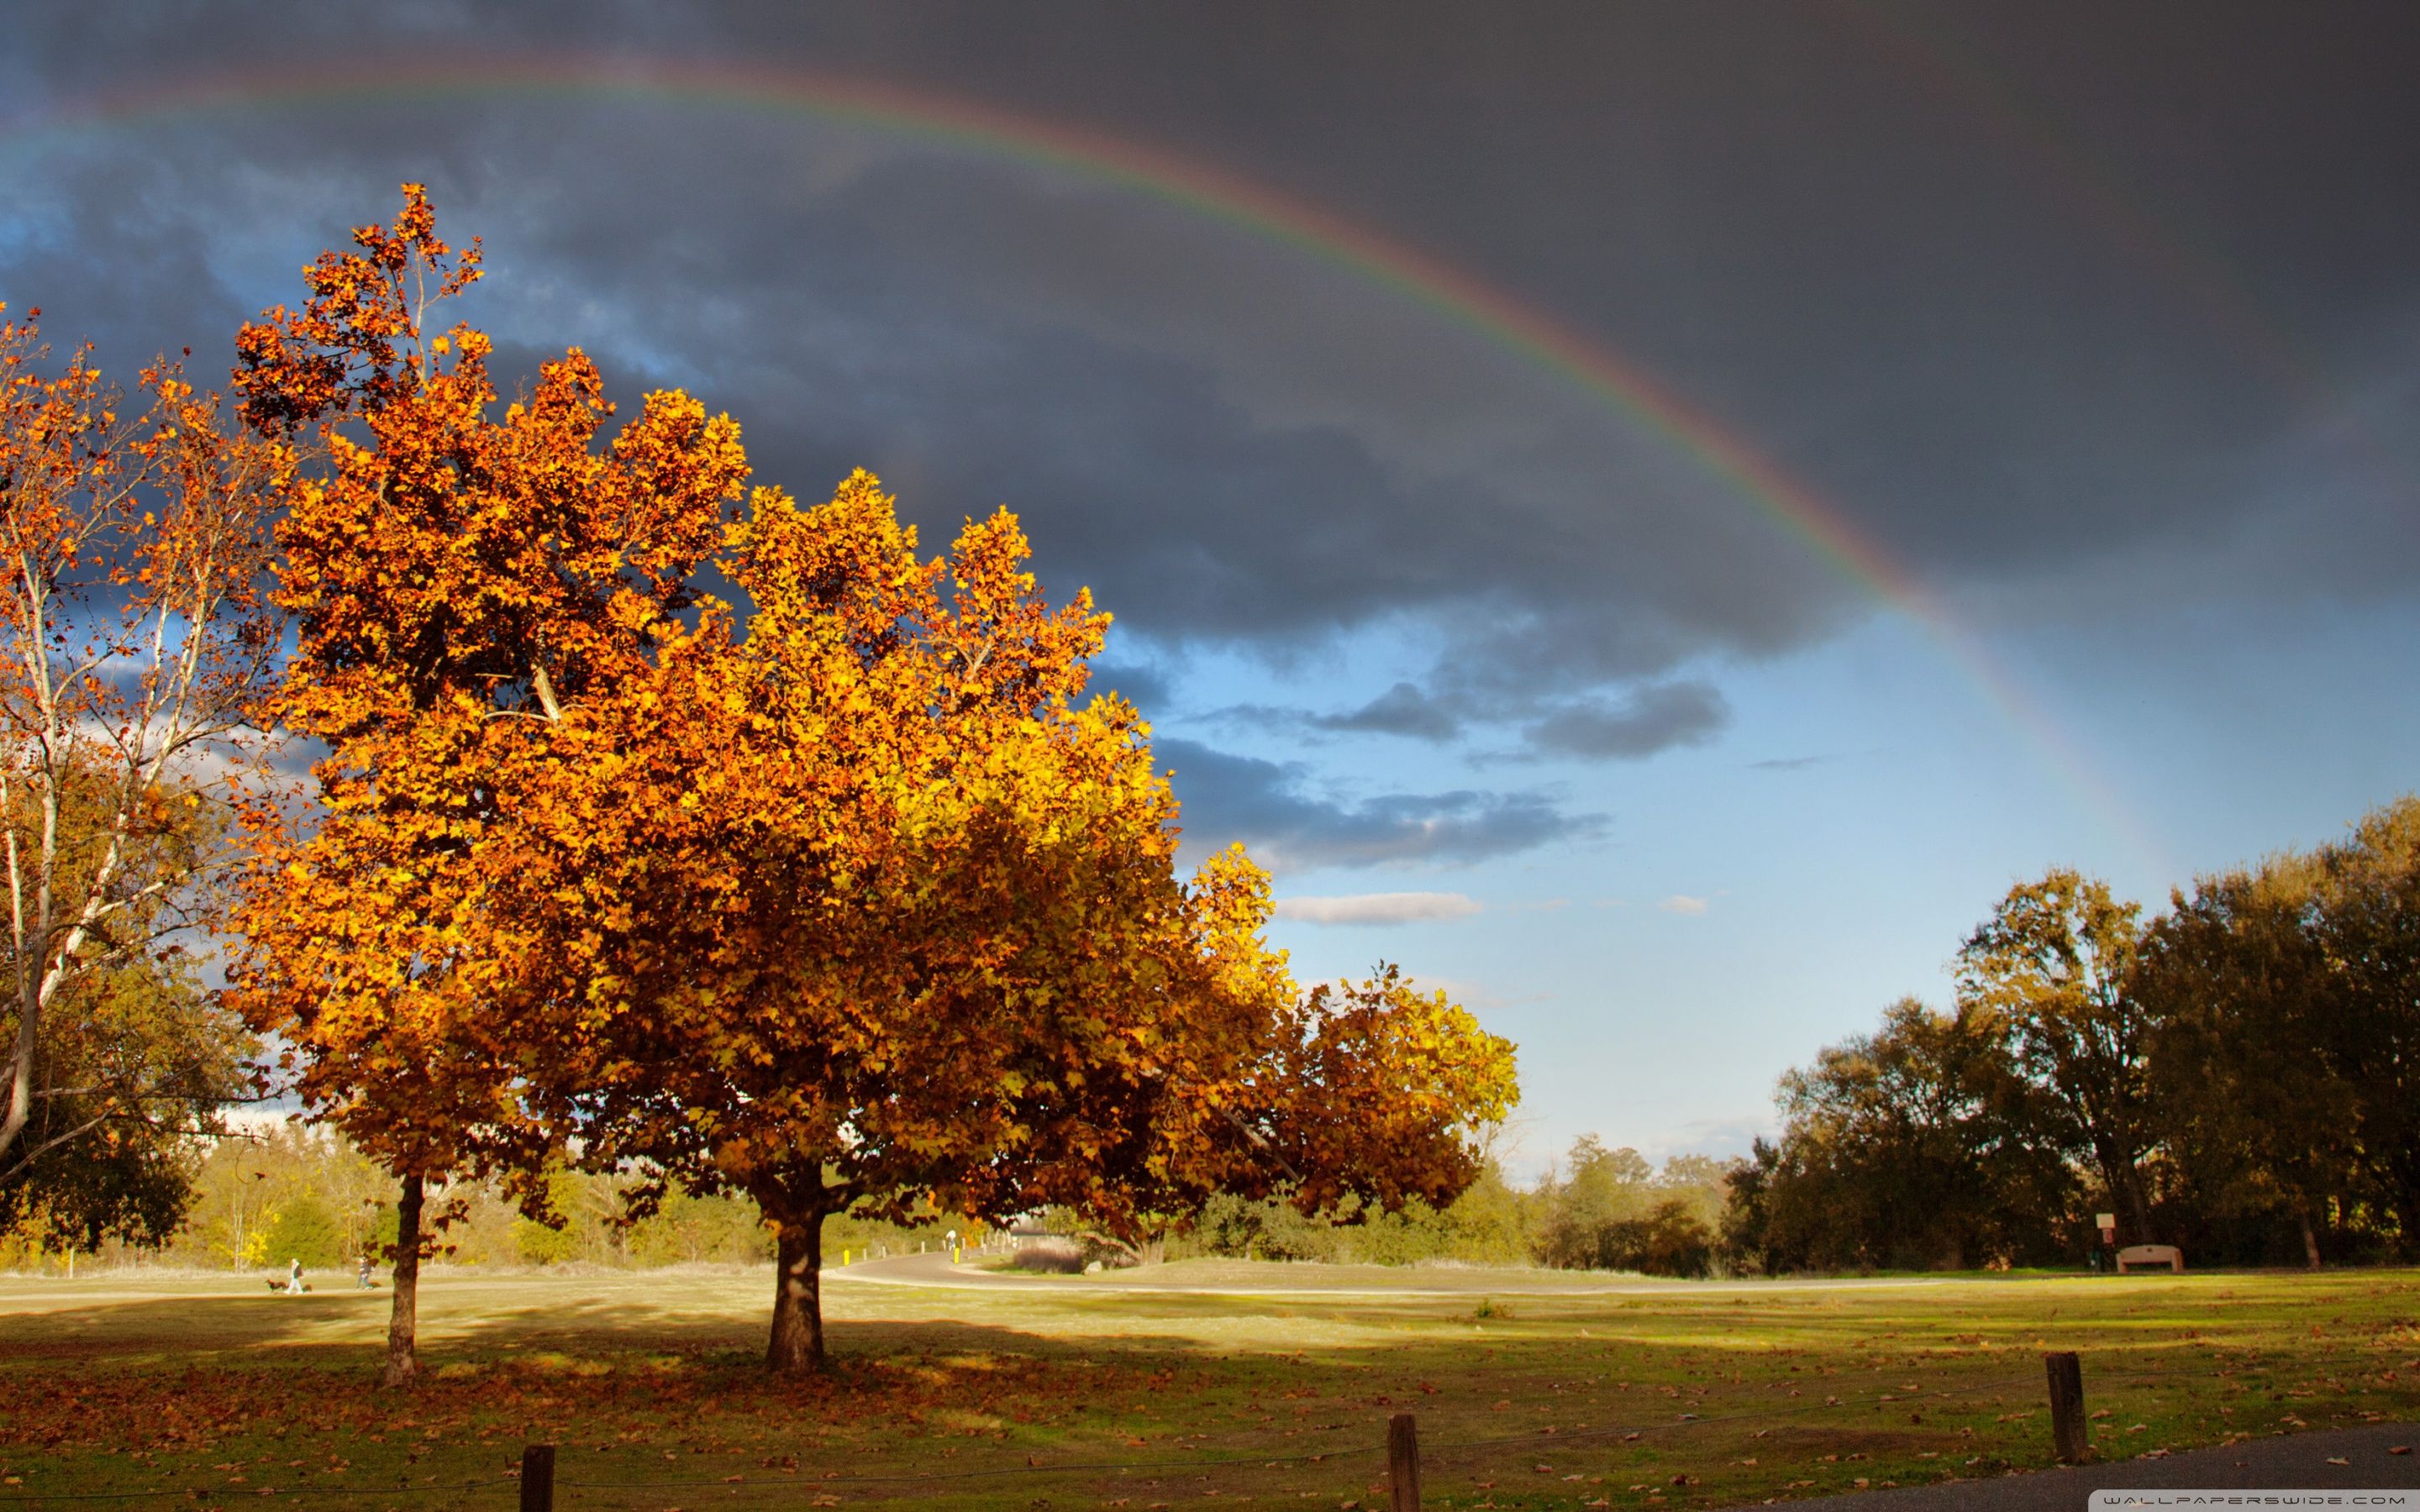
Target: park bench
x,y
2139,1256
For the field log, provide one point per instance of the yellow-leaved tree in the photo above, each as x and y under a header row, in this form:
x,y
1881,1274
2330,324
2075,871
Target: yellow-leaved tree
x,y
459,582
869,908
842,896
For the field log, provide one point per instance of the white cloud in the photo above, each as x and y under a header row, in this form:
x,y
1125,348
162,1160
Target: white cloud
x,y
1722,1138
1378,907
1467,994
1680,903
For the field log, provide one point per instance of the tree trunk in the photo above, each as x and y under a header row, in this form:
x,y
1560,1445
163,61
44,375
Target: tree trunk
x,y
797,1343
2310,1240
2142,1206
402,1363
2127,1196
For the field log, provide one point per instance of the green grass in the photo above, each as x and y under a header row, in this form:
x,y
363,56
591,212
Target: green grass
x,y
133,1382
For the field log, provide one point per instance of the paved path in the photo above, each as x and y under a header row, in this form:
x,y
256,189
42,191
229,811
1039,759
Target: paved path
x,y
935,1271
2299,1460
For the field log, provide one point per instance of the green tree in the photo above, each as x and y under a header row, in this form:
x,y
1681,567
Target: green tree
x,y
1668,1239
2254,1106
2052,970
136,651
2368,925
1490,1223
1594,1189
1701,1182
135,1058
1917,1145
303,1229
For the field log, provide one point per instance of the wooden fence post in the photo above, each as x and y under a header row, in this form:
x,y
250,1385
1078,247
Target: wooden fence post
x,y
2066,1430
537,1477
1403,1463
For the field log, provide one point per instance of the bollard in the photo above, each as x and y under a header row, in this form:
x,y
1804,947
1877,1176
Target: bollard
x,y
537,1477
1402,1463
2067,1430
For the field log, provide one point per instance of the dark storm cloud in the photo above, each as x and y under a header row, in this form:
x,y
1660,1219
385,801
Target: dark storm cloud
x,y
153,290
1649,720
1401,710
1145,686
1228,797
1637,724
2009,288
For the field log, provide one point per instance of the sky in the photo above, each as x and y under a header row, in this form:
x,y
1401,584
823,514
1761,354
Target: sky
x,y
1653,516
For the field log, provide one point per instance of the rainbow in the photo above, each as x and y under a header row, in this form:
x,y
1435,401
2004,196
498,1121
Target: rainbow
x,y
1194,188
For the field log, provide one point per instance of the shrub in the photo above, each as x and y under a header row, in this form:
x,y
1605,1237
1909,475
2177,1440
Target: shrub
x,y
302,1230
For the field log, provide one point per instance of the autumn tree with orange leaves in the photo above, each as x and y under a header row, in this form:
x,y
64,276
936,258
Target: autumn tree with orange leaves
x,y
136,649
845,898
461,582
870,909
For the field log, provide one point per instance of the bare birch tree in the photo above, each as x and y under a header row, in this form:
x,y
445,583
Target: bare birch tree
x,y
137,650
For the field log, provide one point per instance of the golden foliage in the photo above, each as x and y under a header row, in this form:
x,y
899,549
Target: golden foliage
x,y
844,897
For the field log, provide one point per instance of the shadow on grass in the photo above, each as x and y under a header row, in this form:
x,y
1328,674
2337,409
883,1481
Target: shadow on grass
x,y
650,1386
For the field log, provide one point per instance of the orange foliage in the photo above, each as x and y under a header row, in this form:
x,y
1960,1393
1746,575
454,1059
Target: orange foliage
x,y
462,585
848,899
869,908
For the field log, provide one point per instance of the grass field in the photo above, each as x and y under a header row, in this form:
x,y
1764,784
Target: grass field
x,y
1271,1386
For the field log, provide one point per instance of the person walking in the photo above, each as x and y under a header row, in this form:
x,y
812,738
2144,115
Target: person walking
x,y
362,1282
294,1277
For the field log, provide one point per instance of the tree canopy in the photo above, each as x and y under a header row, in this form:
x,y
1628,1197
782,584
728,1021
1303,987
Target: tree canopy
x,y
839,893
891,920
2233,1075
2053,971
136,651
453,576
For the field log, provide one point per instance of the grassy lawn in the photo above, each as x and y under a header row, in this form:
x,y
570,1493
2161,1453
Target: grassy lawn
x,y
1532,1391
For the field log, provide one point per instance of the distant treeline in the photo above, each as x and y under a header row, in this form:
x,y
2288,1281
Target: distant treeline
x,y
2239,1075
1598,1208
290,1191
